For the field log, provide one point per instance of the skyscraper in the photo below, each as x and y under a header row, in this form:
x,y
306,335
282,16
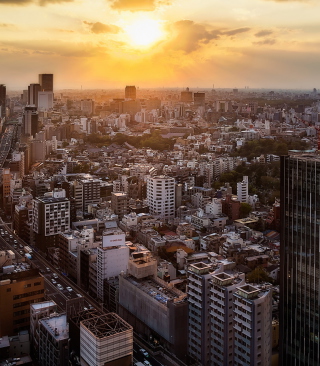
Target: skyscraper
x,y
130,92
33,90
3,91
46,82
300,266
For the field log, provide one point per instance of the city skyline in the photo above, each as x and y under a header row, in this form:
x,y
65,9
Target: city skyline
x,y
150,43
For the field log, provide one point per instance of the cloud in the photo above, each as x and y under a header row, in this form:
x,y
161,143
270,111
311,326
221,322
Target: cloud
x,y
138,5
102,28
189,36
234,32
263,33
36,2
267,41
60,48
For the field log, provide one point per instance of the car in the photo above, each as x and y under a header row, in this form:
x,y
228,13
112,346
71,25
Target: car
x,y
48,269
53,281
144,352
54,275
15,241
69,288
60,287
147,363
79,295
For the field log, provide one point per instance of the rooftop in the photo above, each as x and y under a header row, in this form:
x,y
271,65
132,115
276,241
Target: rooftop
x,y
106,325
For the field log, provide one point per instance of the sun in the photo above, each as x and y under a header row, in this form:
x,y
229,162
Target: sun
x,y
143,32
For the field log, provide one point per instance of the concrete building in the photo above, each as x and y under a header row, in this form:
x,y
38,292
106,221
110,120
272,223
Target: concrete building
x,y
85,192
19,286
161,196
38,311
46,82
51,216
112,257
130,92
242,189
199,337
45,100
119,203
155,309
53,340
223,286
3,95
33,90
87,106
106,340
252,326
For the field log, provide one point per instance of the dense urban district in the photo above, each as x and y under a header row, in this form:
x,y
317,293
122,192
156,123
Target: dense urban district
x,y
142,226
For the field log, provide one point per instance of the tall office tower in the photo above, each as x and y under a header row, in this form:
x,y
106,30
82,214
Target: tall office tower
x,y
199,98
30,122
46,82
130,92
186,96
161,196
242,189
3,92
33,90
300,262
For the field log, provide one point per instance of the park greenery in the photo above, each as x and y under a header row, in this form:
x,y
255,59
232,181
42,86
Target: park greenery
x,y
153,140
260,147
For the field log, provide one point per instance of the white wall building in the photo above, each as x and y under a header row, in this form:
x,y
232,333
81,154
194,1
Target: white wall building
x,y
161,196
242,189
112,259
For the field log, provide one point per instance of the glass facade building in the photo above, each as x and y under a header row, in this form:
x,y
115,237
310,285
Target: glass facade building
x,y
300,247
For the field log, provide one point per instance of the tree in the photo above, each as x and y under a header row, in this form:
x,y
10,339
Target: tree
x,y
245,209
258,275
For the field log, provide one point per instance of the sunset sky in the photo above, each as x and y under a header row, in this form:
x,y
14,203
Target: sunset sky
x,y
161,43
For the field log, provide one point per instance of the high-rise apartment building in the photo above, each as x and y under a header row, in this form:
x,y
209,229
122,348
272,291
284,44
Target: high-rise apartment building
x,y
130,92
161,196
85,192
46,82
3,92
230,322
300,260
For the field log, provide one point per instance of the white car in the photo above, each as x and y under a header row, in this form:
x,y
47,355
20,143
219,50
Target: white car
x,y
69,288
144,352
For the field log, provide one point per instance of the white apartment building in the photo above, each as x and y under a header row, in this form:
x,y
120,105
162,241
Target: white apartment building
x,y
223,286
242,189
112,258
161,196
